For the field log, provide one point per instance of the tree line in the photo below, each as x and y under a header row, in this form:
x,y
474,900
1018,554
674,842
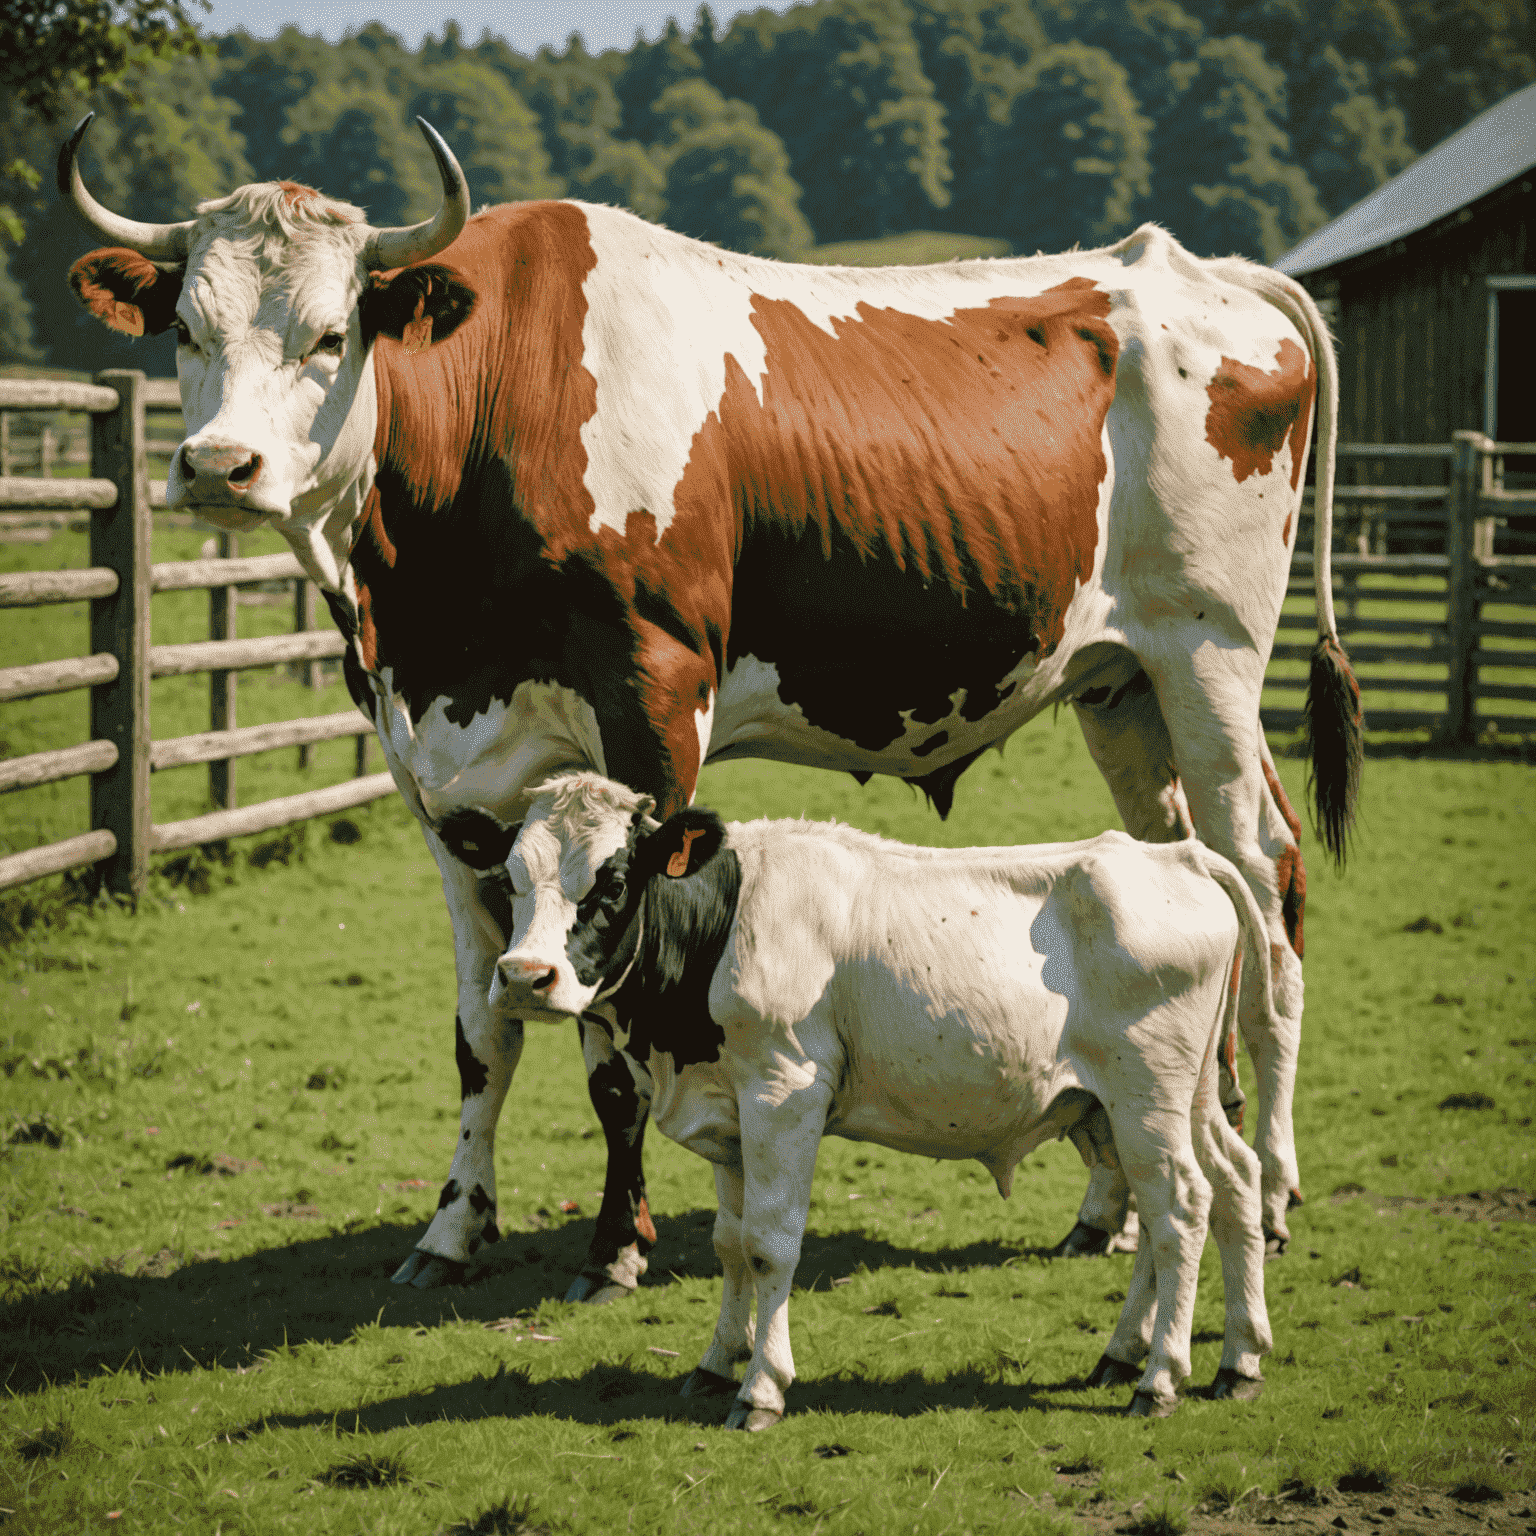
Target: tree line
x,y
1241,125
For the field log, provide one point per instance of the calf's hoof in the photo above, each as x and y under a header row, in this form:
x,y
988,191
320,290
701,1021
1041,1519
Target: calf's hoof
x,y
1275,1243
702,1383
597,1290
1240,1388
1147,1405
425,1270
1082,1242
747,1416
1110,1372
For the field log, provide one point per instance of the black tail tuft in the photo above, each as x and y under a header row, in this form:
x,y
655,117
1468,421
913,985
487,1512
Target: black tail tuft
x,y
1335,743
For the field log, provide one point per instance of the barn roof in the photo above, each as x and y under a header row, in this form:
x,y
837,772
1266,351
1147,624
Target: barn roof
x,y
1496,146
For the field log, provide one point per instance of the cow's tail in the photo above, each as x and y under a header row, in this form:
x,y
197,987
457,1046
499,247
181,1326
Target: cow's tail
x,y
1334,725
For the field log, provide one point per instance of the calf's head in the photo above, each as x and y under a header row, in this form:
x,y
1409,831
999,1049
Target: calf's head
x,y
600,893
277,294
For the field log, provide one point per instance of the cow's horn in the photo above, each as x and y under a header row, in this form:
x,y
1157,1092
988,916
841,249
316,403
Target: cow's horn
x,y
415,242
160,242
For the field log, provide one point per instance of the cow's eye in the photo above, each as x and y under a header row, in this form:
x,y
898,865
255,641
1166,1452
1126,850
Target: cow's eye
x,y
184,335
332,344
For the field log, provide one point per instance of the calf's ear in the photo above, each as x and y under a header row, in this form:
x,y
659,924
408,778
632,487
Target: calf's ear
x,y
416,305
683,845
127,291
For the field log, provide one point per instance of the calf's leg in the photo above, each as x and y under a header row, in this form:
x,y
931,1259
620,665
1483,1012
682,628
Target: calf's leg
x,y
778,1148
1236,1224
620,1090
733,1332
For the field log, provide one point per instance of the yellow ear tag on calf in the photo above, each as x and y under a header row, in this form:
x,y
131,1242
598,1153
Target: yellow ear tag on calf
x,y
417,335
677,865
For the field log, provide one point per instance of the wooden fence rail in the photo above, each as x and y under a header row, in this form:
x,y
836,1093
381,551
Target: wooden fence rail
x,y
118,584
1438,627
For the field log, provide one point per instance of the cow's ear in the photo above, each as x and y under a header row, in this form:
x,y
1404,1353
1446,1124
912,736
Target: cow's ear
x,y
416,305
127,291
685,844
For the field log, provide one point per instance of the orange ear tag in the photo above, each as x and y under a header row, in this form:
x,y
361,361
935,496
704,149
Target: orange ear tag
x,y
417,335
127,318
677,865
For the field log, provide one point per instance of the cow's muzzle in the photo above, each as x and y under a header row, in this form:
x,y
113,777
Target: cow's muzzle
x,y
213,470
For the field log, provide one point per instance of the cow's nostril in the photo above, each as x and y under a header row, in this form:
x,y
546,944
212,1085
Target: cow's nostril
x,y
544,982
242,476
188,471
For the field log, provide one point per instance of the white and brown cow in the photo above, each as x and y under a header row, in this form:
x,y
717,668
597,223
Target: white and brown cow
x,y
583,493
775,982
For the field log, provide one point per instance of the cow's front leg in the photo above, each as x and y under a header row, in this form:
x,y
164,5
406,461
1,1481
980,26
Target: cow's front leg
x,y
487,1047
620,1090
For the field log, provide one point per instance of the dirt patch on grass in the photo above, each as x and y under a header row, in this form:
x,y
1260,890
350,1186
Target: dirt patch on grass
x,y
1402,1508
1493,1205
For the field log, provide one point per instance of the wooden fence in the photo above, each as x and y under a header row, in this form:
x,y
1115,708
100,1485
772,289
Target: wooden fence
x,y
1404,612
1440,596
119,583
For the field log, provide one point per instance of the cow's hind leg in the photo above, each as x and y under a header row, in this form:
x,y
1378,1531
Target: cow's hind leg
x,y
620,1090
1127,737
487,1047
1210,699
733,1338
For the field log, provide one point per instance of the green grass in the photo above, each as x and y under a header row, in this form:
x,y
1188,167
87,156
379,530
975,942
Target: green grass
x,y
221,1350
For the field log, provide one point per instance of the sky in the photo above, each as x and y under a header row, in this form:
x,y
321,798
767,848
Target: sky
x,y
525,24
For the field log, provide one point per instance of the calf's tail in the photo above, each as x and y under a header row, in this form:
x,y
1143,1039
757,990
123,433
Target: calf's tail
x,y
1255,936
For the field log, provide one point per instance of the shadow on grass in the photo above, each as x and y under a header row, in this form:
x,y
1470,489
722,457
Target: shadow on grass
x,y
179,1314
612,1394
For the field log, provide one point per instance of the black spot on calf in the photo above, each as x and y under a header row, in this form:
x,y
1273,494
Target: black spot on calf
x,y
449,1195
479,1201
477,839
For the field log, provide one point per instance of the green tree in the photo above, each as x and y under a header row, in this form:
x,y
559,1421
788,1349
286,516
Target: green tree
x,y
162,144
726,176
1222,179
842,83
648,70
573,98
1067,157
494,133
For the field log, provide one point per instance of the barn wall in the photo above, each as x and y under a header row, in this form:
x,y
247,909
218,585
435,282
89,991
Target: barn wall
x,y
1412,321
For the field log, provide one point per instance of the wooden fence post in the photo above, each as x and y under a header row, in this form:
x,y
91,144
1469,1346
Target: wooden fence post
x,y
309,671
222,686
120,625
1461,505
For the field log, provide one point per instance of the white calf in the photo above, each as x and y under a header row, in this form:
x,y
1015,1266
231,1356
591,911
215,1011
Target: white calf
x,y
782,981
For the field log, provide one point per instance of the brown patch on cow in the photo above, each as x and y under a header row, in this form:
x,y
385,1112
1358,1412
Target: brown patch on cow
x,y
1285,533
1290,872
306,202
126,291
1254,412
970,448
643,1223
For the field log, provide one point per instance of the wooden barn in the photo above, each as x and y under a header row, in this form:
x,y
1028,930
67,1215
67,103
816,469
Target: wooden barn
x,y
1430,285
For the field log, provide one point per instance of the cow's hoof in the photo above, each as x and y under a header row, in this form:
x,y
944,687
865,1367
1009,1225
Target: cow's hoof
x,y
1275,1243
1147,1405
1110,1372
425,1270
1233,1384
702,1383
746,1416
597,1290
1082,1242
